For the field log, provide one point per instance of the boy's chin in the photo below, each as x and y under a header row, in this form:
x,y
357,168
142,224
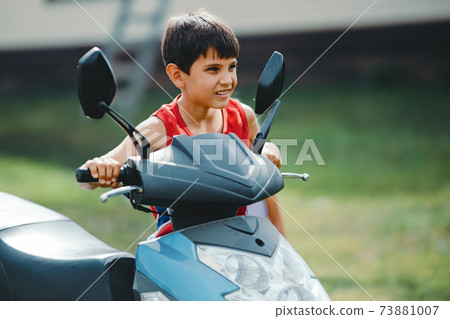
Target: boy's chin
x,y
220,104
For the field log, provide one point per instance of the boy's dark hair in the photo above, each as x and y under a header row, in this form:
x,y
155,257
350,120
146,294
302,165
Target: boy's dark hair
x,y
188,36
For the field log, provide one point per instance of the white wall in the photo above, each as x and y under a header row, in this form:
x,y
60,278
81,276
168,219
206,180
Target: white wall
x,y
40,23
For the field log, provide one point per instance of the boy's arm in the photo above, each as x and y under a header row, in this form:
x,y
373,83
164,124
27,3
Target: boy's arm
x,y
270,150
107,167
253,126
274,214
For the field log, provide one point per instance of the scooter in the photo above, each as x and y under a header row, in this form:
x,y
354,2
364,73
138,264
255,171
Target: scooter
x,y
202,180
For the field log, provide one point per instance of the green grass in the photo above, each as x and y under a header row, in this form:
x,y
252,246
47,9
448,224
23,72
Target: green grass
x,y
396,247
378,210
54,186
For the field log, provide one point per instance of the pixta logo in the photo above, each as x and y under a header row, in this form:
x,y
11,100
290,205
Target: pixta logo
x,y
213,150
307,152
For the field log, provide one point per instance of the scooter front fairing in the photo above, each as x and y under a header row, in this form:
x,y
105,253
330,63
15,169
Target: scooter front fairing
x,y
238,258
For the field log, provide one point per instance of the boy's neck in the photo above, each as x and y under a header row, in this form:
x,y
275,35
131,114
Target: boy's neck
x,y
200,120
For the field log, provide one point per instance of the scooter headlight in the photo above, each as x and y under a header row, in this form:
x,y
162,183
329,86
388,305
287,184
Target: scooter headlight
x,y
153,296
283,276
246,271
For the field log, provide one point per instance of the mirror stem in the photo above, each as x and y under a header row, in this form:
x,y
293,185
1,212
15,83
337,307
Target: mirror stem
x,y
260,138
144,147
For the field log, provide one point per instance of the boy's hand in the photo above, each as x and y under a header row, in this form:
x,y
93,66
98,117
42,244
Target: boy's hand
x,y
106,170
272,153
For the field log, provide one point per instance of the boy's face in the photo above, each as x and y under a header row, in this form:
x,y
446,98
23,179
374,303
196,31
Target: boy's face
x,y
211,81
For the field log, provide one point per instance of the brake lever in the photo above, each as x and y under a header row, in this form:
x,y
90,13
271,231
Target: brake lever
x,y
119,191
304,176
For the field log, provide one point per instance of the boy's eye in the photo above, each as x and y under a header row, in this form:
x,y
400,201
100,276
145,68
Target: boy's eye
x,y
233,66
213,68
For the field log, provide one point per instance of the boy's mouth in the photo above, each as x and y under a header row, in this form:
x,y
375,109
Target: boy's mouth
x,y
225,92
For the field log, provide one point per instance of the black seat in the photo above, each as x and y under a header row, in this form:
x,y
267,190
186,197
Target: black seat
x,y
46,256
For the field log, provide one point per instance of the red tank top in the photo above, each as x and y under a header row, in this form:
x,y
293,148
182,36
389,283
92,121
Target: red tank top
x,y
234,121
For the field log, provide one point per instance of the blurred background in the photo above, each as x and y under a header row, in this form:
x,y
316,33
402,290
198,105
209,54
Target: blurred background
x,y
376,105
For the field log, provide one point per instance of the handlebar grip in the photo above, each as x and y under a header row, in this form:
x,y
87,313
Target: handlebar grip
x,y
83,175
126,176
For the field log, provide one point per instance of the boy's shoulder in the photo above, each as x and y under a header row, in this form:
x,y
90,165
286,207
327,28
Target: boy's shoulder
x,y
151,125
154,129
248,110
243,105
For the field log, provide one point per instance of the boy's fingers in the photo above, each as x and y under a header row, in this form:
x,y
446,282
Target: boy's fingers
x,y
90,164
106,170
275,160
108,174
101,173
109,170
115,185
272,153
98,170
116,171
112,170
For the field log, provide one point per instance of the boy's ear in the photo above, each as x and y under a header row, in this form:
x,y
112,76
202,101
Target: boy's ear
x,y
175,75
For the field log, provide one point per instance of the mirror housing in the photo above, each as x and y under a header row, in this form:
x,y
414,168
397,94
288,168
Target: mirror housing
x,y
269,89
270,83
97,87
96,83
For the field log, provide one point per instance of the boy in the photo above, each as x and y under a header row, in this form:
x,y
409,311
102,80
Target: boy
x,y
199,54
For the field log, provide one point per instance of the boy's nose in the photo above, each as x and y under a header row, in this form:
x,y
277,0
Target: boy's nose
x,y
226,78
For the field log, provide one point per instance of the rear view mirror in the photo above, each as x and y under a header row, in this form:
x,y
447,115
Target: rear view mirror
x,y
269,89
270,83
96,83
97,87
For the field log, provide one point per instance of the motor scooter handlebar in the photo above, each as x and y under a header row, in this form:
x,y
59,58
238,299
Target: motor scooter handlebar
x,y
83,175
